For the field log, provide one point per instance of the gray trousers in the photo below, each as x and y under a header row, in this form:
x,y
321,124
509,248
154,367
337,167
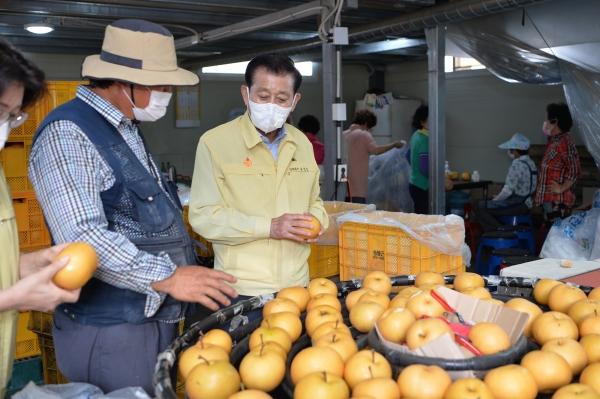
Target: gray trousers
x,y
111,357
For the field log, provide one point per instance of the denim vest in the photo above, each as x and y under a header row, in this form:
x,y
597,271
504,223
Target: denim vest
x,y
101,304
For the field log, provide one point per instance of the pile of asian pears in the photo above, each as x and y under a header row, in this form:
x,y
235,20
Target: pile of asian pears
x,y
334,368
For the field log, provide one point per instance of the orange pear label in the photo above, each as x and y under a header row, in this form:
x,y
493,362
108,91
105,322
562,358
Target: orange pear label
x,y
247,162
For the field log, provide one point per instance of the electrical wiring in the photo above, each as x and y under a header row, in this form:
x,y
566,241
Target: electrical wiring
x,y
323,35
349,187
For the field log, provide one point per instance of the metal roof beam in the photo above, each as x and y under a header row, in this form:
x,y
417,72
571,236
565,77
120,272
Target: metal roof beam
x,y
289,14
44,8
386,45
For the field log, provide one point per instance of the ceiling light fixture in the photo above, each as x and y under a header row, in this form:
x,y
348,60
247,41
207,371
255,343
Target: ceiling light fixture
x,y
39,28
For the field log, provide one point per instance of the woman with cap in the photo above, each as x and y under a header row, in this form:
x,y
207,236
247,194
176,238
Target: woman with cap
x,y
560,168
516,195
26,280
97,182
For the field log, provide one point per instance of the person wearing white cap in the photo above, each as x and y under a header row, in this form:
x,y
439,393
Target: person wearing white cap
x,y
97,182
519,188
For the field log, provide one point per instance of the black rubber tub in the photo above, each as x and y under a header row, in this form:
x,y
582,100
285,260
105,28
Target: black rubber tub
x,y
287,386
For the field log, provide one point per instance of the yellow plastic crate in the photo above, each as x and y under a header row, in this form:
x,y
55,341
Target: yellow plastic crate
x,y
368,247
14,160
197,237
30,222
323,261
52,374
27,342
41,322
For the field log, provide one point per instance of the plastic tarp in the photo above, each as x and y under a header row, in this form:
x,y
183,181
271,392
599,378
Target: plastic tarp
x,y
517,62
336,209
388,181
444,234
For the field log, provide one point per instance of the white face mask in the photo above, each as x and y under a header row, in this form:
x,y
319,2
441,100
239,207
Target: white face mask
x,y
4,132
511,155
156,109
268,117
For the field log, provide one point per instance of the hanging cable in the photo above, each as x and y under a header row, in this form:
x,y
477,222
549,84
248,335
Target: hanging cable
x,y
324,35
539,33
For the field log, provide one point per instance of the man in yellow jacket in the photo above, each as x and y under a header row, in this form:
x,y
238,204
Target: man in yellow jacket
x,y
255,182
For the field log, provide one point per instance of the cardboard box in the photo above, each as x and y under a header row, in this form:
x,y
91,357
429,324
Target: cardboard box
x,y
511,321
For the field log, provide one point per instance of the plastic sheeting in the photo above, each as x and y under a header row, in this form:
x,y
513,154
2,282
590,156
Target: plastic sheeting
x,y
336,209
582,89
77,391
514,61
506,57
444,234
388,181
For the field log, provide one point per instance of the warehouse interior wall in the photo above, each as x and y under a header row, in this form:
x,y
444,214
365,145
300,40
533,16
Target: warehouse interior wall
x,y
482,110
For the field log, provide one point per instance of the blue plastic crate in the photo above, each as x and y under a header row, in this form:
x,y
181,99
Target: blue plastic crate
x,y
25,370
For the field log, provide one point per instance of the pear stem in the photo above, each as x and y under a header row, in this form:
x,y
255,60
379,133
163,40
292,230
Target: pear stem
x,y
325,376
268,324
373,353
371,372
336,324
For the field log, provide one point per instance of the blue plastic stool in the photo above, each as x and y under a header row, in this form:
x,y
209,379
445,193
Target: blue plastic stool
x,y
517,220
496,240
498,255
525,234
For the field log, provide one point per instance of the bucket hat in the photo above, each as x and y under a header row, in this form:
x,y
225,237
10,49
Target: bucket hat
x,y
517,142
139,52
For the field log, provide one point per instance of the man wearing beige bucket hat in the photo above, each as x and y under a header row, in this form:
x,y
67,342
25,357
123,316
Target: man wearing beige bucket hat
x,y
97,182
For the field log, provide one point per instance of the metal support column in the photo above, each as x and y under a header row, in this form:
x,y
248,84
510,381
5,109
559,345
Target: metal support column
x,y
329,125
436,40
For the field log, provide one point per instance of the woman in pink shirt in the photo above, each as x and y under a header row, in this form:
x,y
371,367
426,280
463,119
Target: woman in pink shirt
x,y
310,126
362,145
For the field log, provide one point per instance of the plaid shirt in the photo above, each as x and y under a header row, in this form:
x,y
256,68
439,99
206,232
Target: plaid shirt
x,y
560,163
68,174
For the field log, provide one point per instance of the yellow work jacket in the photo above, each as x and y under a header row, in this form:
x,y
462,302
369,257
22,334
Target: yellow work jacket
x,y
238,188
9,275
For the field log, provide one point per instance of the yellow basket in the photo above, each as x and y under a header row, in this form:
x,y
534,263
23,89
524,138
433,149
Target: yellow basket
x,y
41,322
14,159
27,342
30,222
368,247
197,237
52,374
323,261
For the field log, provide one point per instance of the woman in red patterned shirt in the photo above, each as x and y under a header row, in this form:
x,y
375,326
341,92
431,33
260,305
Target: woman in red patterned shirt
x,y
560,168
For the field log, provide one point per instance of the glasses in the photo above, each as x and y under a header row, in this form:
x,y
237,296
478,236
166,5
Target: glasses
x,y
14,120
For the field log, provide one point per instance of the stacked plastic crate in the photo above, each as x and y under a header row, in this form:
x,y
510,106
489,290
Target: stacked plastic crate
x,y
33,234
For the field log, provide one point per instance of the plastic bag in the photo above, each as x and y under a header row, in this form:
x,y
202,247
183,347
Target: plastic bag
x,y
336,209
388,181
63,391
77,390
184,195
444,234
572,238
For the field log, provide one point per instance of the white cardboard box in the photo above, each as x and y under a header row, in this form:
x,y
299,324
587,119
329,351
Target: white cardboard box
x,y
511,321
